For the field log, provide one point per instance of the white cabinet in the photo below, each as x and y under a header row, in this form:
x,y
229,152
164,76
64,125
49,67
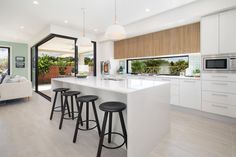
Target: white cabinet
x,y
210,35
228,32
190,93
218,33
174,89
219,93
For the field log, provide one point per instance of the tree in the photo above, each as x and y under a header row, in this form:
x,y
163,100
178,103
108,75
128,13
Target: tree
x,y
44,64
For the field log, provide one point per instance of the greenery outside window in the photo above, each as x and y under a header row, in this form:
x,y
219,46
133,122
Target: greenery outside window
x,y
158,66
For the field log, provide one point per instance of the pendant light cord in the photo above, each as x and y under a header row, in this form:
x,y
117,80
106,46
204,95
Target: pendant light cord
x,y
115,12
83,9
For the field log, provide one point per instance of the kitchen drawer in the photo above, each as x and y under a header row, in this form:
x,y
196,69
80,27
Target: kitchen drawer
x,y
219,86
218,77
224,98
221,109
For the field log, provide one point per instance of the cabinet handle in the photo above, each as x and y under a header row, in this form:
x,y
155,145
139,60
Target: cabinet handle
x,y
222,95
221,84
219,106
220,76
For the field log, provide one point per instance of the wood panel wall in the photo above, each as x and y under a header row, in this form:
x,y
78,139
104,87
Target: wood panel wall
x,y
180,40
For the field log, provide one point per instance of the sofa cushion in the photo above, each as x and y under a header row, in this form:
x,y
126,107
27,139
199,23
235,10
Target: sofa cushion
x,y
14,79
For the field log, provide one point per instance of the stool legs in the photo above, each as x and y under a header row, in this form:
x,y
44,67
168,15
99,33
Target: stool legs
x,y
123,127
87,115
110,127
53,106
63,111
102,135
72,108
96,117
80,107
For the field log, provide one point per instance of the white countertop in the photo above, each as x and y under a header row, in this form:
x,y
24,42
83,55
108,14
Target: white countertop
x,y
127,85
160,76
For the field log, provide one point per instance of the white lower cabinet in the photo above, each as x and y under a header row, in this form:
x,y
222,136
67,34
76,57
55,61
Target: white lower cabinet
x,y
190,94
219,108
219,94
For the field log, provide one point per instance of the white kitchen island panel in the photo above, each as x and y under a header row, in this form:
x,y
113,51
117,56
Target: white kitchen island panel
x,y
147,114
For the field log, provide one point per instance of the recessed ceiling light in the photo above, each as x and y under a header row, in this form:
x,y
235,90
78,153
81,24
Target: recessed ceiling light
x,y
147,10
65,21
95,29
22,27
35,2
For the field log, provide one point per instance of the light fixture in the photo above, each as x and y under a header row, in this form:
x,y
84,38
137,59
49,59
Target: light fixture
x,y
65,21
115,31
35,2
147,10
95,29
84,41
22,27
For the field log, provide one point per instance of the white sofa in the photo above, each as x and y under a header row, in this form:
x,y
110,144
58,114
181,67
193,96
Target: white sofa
x,y
15,90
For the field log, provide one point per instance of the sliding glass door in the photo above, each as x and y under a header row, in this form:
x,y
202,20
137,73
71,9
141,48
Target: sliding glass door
x,y
4,60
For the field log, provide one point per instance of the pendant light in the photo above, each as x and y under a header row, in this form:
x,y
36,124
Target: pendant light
x,y
115,31
84,42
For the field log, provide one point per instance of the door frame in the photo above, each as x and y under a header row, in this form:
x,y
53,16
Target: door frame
x,y
49,37
8,59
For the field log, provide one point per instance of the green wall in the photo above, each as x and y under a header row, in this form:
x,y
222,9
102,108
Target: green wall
x,y
17,49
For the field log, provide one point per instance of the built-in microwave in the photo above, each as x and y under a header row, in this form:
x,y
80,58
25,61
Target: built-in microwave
x,y
224,63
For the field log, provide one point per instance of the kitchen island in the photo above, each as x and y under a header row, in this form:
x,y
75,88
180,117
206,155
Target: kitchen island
x,y
147,114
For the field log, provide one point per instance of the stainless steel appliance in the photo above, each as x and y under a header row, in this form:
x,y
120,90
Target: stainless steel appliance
x,y
219,63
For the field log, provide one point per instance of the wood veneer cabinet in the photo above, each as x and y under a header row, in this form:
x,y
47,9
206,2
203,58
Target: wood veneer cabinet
x,y
180,40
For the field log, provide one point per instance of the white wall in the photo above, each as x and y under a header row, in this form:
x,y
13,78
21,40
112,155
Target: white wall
x,y
105,51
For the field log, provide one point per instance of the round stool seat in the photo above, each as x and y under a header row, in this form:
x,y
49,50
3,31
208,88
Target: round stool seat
x,y
60,89
112,106
71,93
87,98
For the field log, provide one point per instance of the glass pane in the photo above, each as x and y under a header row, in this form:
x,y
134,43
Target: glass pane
x,y
167,65
4,58
86,61
56,58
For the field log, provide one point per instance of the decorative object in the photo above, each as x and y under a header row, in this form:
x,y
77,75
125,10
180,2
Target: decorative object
x,y
20,62
84,42
20,59
115,31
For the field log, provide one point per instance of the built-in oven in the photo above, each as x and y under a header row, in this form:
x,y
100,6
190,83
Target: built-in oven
x,y
223,63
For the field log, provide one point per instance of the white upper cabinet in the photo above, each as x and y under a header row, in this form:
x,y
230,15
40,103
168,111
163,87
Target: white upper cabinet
x,y
228,32
210,34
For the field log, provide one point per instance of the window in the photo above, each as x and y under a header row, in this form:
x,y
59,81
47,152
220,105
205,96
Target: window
x,y
4,60
161,66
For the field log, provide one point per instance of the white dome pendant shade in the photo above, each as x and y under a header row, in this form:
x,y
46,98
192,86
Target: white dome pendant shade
x,y
84,42
115,31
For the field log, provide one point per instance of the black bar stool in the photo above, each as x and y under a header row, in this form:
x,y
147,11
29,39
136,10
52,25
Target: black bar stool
x,y
110,108
66,103
86,99
54,107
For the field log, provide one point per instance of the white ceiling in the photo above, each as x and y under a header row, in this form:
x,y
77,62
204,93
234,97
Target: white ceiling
x,y
99,14
61,45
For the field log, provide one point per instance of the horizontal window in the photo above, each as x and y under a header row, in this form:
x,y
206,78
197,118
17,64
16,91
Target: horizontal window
x,y
160,66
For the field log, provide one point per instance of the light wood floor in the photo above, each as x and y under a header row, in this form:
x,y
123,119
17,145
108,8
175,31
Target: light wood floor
x,y
26,131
